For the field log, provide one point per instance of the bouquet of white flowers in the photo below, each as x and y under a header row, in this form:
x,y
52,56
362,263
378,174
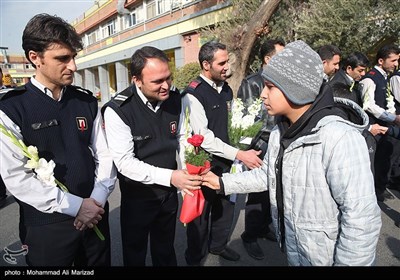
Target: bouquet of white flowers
x,y
243,127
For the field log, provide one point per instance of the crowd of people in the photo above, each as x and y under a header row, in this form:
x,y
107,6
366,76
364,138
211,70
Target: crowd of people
x,y
328,151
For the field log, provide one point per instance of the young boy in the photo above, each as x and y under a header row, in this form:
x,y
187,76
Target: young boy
x,y
317,168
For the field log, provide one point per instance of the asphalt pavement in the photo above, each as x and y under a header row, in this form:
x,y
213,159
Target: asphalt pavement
x,y
388,251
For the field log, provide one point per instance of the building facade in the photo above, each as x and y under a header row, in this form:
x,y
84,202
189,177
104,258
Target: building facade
x,y
112,30
17,66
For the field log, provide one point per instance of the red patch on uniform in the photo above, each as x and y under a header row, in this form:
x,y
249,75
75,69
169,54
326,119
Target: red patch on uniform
x,y
82,123
194,84
172,127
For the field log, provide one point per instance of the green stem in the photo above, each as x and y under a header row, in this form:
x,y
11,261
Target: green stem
x,y
95,228
62,186
98,232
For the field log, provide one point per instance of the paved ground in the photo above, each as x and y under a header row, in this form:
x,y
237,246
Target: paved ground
x,y
388,252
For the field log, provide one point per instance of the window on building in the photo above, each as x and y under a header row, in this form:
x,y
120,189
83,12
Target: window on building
x,y
151,9
136,16
92,37
131,19
179,3
108,29
164,6
140,14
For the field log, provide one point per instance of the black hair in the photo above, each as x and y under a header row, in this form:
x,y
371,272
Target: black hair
x,y
43,30
354,60
208,50
385,51
327,52
268,47
140,57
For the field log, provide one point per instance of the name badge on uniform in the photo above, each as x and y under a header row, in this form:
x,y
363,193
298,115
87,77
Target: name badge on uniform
x,y
44,124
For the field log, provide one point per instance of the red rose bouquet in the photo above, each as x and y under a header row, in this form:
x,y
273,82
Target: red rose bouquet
x,y
197,162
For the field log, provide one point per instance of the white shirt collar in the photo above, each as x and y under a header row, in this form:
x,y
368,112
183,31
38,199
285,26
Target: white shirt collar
x,y
146,101
383,72
218,87
46,90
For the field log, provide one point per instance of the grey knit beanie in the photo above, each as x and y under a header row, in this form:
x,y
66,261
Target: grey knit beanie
x,y
297,71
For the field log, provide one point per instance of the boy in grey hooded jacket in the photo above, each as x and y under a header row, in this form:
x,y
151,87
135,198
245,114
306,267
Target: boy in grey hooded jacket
x,y
317,168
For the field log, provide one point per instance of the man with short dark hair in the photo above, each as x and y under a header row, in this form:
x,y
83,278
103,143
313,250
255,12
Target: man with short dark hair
x,y
379,104
64,123
142,126
330,56
352,70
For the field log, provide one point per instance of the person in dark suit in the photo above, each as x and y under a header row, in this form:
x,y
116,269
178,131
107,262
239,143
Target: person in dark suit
x,y
352,70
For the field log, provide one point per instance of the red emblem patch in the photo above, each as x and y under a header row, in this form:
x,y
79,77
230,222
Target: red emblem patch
x,y
172,127
82,123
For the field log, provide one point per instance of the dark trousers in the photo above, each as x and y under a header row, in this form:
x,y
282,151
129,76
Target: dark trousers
x,y
2,188
257,216
60,244
144,215
387,153
214,236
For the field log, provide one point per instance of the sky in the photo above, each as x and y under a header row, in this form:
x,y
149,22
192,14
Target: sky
x,y
15,14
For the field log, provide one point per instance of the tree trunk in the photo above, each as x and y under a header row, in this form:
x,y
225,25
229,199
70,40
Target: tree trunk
x,y
245,39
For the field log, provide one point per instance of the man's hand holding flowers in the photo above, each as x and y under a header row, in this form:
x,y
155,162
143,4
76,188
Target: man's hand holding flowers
x,y
186,182
250,158
89,214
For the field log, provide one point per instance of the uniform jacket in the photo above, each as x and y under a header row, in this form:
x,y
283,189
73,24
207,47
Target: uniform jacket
x,y
354,91
331,215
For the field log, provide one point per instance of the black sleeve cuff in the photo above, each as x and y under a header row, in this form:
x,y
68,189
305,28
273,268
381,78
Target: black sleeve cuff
x,y
221,187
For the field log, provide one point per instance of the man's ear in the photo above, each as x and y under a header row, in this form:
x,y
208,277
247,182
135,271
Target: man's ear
x,y
135,80
34,57
266,59
206,65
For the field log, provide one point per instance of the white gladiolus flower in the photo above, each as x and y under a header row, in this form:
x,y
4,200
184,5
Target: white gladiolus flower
x,y
33,151
31,164
45,172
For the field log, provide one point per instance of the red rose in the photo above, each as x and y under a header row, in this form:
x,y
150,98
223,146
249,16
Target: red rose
x,y
196,140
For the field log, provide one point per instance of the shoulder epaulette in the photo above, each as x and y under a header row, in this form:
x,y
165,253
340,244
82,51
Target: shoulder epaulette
x,y
192,86
7,92
84,90
122,96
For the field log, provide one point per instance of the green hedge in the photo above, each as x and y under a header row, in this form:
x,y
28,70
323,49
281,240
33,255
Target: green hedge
x,y
185,74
